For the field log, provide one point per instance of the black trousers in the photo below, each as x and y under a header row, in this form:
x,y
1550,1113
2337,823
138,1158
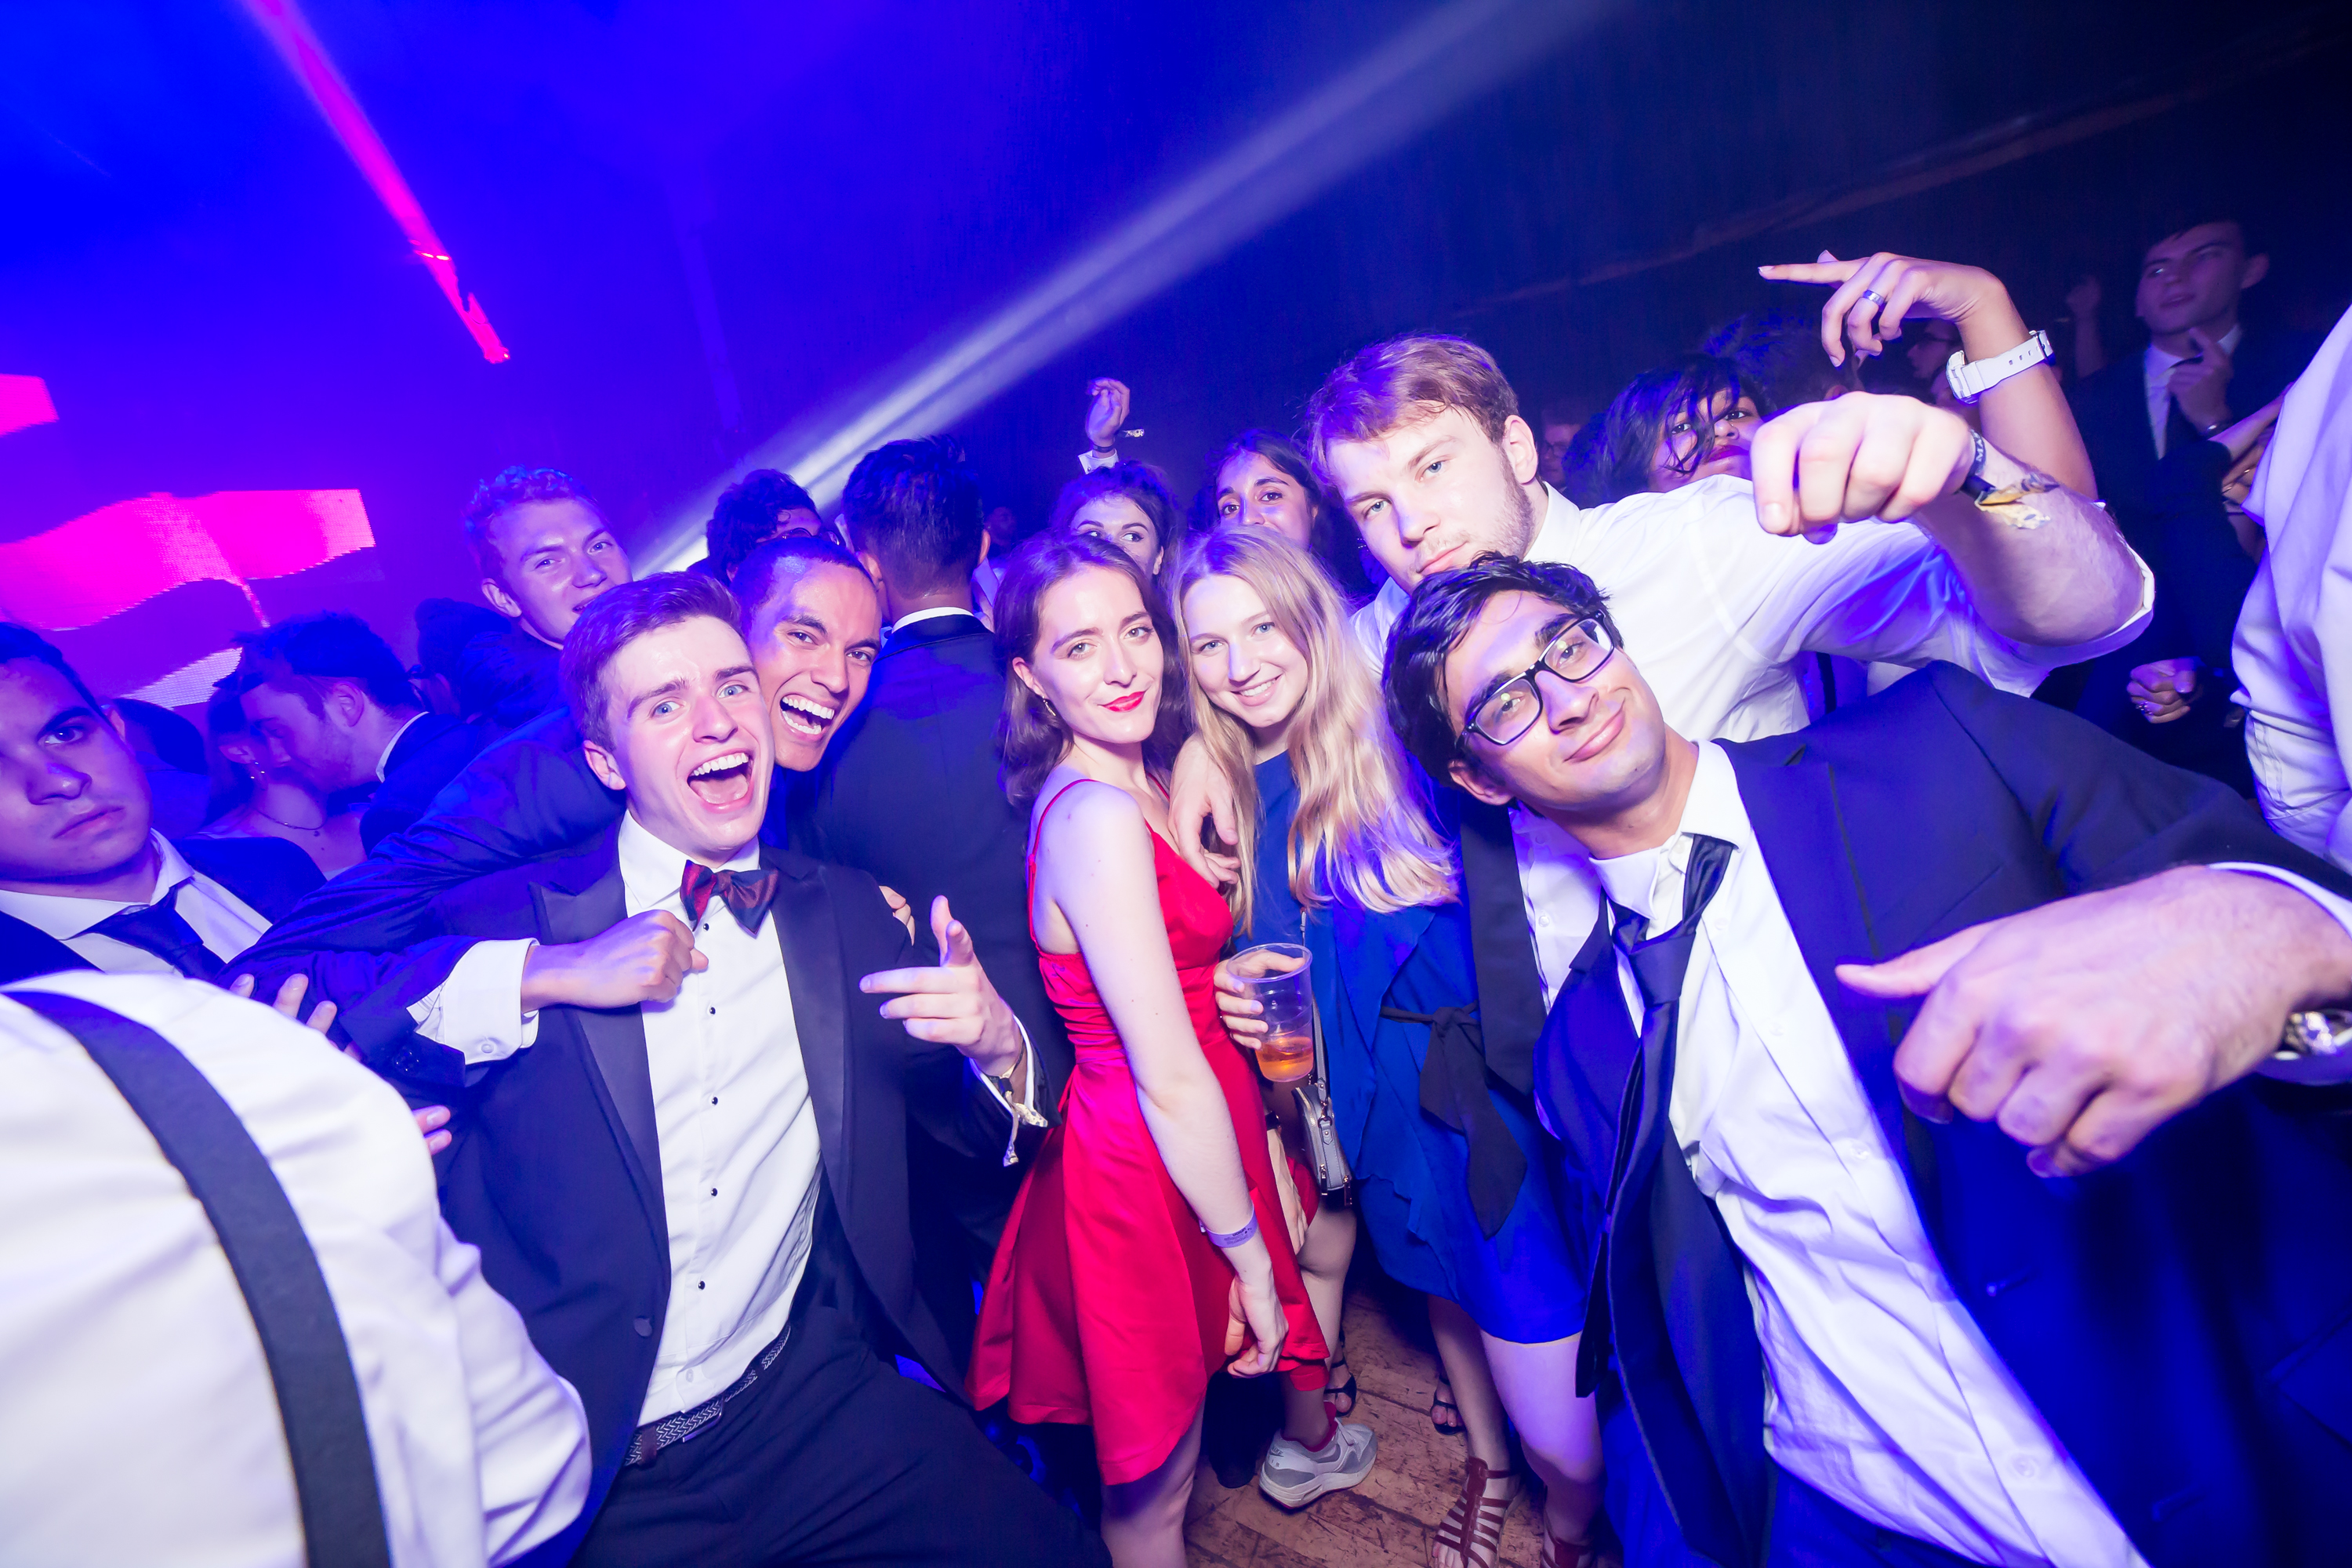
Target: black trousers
x,y
834,1457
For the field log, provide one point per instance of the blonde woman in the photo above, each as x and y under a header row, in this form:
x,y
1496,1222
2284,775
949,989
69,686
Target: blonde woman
x,y
1338,852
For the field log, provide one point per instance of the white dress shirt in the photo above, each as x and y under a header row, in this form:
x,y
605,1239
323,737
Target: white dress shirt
x,y
2294,647
732,1114
1715,611
2155,366
223,923
1881,1390
143,1425
937,612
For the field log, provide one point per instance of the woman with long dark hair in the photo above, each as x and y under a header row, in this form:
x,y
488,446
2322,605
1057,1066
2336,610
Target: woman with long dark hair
x,y
1261,480
1128,505
1687,420
1150,1242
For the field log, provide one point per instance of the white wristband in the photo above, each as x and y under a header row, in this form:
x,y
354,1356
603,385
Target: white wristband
x,y
1970,380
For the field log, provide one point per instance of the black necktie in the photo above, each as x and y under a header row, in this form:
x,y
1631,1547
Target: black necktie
x,y
158,929
748,893
1658,963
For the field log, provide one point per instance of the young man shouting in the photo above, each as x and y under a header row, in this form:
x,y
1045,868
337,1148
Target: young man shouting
x,y
681,1141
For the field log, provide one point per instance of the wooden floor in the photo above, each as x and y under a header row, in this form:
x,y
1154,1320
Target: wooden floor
x,y
1386,1521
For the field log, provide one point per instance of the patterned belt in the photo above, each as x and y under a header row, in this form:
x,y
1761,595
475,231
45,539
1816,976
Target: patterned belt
x,y
670,1430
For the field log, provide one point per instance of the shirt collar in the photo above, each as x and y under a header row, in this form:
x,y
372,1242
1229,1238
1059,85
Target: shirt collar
x,y
62,916
651,871
2157,364
1638,881
916,618
384,762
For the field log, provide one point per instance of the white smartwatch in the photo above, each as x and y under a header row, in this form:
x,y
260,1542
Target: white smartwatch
x,y
1970,380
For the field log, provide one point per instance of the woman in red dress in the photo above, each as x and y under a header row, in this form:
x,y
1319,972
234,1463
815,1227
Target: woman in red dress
x,y
1150,1242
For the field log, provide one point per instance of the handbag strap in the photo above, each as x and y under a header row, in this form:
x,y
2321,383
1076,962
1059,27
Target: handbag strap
x,y
294,1316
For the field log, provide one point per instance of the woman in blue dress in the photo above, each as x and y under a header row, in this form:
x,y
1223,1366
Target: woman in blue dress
x,y
1452,1181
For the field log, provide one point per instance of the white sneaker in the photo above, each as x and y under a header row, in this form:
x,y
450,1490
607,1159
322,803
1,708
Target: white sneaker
x,y
1294,1475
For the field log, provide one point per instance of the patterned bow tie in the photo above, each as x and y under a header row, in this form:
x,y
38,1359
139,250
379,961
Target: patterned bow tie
x,y
748,893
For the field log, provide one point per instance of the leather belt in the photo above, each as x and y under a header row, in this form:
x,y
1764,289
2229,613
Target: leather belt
x,y
670,1430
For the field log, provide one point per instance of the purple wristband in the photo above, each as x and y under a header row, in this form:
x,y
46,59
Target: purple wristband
x,y
1234,1237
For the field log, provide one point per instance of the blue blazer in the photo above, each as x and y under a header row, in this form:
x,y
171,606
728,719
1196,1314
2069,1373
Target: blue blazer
x,y
2183,1320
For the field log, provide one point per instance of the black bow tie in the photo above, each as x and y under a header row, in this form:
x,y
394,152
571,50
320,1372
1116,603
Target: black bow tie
x,y
748,893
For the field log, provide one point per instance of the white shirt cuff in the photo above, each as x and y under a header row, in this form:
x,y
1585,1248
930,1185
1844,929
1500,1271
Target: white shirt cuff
x,y
478,1011
1090,461
1028,1093
2337,1069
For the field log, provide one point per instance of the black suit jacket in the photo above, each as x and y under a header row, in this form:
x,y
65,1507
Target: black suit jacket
x,y
428,754
555,1168
908,793
2183,1320
2111,410
269,874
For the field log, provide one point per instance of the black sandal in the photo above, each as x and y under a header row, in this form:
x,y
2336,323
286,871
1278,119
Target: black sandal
x,y
1443,1413
1341,1396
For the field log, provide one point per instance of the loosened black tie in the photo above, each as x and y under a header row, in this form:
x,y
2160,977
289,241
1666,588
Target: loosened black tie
x,y
1659,964
158,929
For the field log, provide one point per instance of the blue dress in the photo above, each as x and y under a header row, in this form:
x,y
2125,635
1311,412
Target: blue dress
x,y
1526,1283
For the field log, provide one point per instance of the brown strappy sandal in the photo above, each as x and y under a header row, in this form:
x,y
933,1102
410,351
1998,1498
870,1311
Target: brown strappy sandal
x,y
1472,1530
1600,1551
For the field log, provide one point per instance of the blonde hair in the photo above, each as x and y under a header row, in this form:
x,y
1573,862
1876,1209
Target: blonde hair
x,y
1358,836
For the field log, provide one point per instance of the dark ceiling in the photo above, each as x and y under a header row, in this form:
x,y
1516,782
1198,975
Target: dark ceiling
x,y
217,301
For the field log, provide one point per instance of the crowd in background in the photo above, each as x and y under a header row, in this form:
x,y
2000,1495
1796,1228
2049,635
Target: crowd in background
x,y
1426,697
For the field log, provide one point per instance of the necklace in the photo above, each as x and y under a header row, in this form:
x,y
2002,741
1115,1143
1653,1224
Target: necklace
x,y
289,826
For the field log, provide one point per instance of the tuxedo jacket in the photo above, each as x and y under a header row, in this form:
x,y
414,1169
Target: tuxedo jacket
x,y
269,874
2183,1318
428,754
555,1170
908,793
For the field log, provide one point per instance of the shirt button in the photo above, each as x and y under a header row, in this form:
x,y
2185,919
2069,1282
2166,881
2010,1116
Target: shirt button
x,y
1855,1149
714,1192
714,1012
2024,1469
687,1377
714,1099
702,1285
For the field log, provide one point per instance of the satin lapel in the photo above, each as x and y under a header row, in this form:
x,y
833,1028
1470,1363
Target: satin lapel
x,y
615,1036
1511,987
1794,808
805,930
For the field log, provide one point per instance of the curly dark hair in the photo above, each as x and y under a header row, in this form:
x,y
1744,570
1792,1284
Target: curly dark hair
x,y
747,515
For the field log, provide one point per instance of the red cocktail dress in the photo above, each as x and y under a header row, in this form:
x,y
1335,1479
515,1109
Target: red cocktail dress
x,y
1106,1305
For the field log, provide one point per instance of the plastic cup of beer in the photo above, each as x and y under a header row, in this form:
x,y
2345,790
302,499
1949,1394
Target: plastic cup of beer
x,y
1275,974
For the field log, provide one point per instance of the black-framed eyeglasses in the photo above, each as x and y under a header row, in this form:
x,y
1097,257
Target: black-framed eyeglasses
x,y
1511,709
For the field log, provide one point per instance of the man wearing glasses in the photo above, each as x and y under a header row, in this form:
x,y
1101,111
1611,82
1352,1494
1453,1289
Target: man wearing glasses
x,y
1853,1329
